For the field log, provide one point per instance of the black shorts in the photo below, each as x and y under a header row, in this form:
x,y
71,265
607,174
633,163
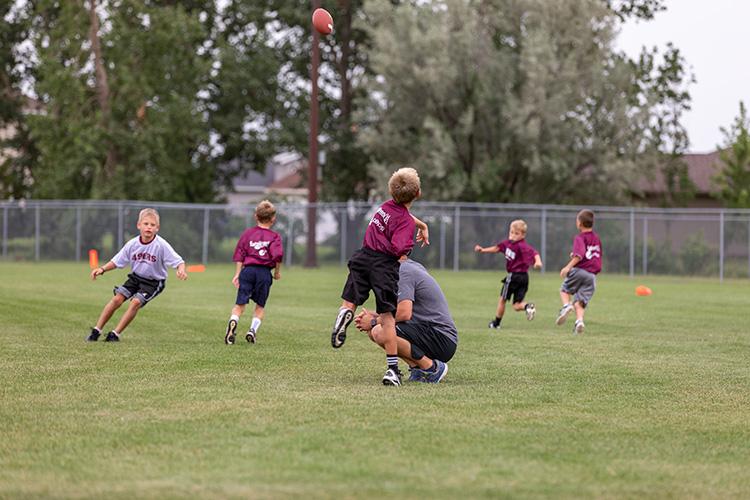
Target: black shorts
x,y
426,341
376,271
255,284
515,284
138,287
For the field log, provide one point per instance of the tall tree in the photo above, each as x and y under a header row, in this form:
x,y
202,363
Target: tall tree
x,y
499,100
733,179
17,148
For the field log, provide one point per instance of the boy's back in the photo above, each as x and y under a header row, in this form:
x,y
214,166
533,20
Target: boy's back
x,y
391,230
258,246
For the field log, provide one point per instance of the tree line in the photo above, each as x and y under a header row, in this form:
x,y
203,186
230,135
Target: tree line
x,y
492,100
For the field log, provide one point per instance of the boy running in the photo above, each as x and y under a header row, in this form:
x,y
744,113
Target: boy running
x,y
519,256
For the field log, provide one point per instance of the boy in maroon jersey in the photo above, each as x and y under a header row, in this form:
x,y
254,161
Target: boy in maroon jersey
x,y
258,251
580,273
519,256
389,235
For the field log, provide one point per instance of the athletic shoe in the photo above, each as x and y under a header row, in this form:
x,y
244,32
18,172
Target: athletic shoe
x,y
112,337
563,315
391,377
493,325
433,377
338,336
93,336
229,336
250,336
416,375
530,311
579,327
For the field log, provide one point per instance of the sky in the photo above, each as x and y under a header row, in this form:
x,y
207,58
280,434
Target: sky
x,y
714,37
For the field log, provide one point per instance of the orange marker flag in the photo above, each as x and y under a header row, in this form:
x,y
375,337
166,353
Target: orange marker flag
x,y
93,259
196,268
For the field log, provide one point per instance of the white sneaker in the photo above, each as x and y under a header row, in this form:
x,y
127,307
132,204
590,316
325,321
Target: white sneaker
x,y
563,314
579,327
392,377
530,311
250,336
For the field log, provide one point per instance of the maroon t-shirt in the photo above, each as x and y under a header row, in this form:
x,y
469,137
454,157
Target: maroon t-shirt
x,y
519,255
259,246
588,247
391,230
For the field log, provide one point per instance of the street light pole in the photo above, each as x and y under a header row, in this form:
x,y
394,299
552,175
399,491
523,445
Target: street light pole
x,y
312,157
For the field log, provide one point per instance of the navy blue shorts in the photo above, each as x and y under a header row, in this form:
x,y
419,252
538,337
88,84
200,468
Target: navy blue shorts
x,y
255,285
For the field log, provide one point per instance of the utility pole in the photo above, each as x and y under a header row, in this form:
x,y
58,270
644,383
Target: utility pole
x,y
312,156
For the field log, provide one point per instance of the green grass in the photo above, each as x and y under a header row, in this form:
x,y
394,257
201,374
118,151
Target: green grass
x,y
653,401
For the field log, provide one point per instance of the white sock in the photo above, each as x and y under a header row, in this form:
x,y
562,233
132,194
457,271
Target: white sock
x,y
255,324
234,317
99,330
115,332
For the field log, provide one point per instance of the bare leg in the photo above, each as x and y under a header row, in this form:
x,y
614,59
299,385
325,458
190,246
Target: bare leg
x,y
109,310
500,308
519,306
259,312
238,309
133,308
580,310
565,297
404,349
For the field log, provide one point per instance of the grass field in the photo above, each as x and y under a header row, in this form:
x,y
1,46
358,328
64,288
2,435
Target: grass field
x,y
653,401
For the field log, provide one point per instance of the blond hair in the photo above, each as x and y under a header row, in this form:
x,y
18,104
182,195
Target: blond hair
x,y
519,224
146,212
404,185
265,212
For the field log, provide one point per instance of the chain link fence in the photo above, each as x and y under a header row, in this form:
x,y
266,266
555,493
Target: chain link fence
x,y
636,241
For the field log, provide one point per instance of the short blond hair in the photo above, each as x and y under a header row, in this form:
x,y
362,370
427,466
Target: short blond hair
x,y
519,224
404,185
146,212
265,212
586,218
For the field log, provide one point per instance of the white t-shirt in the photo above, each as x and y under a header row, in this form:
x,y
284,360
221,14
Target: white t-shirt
x,y
148,260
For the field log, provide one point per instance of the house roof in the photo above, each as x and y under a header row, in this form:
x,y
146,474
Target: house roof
x,y
701,168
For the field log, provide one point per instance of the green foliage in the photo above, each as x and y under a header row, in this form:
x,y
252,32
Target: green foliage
x,y
696,255
510,101
734,178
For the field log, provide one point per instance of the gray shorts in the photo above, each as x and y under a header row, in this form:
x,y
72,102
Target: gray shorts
x,y
581,284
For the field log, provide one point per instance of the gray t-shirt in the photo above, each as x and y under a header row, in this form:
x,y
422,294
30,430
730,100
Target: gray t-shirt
x,y
429,304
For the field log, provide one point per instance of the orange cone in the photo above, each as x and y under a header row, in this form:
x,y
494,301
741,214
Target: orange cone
x,y
643,291
93,259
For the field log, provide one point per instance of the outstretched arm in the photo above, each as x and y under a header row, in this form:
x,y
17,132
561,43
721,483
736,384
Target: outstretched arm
x,y
481,249
101,270
423,232
537,261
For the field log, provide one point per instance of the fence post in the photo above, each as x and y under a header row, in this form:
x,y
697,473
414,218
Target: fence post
x,y
36,233
119,226
632,242
5,231
343,236
290,239
721,246
78,234
544,237
645,245
442,241
206,217
456,234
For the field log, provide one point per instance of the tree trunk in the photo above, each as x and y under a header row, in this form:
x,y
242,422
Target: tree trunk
x,y
102,89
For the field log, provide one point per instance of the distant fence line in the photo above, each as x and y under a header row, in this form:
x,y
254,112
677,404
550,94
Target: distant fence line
x,y
636,241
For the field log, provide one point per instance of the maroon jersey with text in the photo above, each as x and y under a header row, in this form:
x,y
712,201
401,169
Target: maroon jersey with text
x,y
519,255
259,246
391,230
588,247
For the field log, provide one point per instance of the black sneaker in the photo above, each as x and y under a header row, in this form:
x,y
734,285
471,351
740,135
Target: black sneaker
x,y
93,336
338,336
493,325
112,337
392,377
250,336
231,327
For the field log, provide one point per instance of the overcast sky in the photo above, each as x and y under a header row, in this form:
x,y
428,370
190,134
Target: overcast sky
x,y
714,38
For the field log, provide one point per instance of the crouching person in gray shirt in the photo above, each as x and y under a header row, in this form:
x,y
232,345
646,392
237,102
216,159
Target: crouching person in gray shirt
x,y
427,335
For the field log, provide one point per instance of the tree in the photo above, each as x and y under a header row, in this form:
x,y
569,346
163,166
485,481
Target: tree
x,y
733,179
17,148
517,101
